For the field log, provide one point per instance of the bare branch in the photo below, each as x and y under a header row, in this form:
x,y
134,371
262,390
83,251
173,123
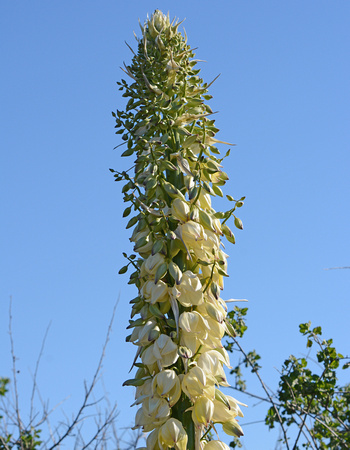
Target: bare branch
x,y
88,390
267,392
36,372
14,372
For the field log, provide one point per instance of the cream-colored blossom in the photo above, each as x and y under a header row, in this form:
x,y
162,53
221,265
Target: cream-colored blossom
x,y
172,434
166,384
147,247
180,210
212,362
152,440
194,330
151,264
163,352
142,391
203,410
145,334
154,293
153,412
224,412
196,383
189,291
204,200
193,235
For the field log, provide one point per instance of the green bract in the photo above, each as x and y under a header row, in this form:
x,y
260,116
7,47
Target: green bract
x,y
180,318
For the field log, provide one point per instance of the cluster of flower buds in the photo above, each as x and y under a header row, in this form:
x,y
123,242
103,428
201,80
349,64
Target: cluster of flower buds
x,y
178,319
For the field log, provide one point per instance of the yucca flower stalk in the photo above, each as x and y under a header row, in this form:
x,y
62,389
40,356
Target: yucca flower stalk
x,y
178,318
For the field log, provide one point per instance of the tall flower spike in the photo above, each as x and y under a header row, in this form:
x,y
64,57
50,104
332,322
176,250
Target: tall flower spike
x,y
178,318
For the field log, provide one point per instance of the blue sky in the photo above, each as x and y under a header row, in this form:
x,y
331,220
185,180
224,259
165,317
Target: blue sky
x,y
283,98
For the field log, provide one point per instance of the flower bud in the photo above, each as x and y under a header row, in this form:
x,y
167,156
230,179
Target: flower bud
x,y
232,428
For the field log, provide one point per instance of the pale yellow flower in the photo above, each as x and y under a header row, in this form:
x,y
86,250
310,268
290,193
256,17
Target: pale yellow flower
x,y
142,391
145,334
204,200
166,384
203,410
196,383
223,413
193,235
211,362
173,435
154,293
151,264
154,412
194,330
180,210
145,249
189,291
152,440
163,352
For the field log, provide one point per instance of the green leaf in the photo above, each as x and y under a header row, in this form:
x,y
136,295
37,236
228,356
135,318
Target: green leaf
x,y
193,193
204,263
157,246
221,272
141,242
205,220
161,271
215,290
134,382
151,183
219,215
172,191
127,211
167,165
189,141
175,272
207,187
128,152
132,222
155,311
124,269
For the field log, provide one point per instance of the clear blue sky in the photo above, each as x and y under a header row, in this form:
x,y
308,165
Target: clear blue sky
x,y
283,97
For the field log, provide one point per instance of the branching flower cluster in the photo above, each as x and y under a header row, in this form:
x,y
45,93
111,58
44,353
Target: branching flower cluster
x,y
178,318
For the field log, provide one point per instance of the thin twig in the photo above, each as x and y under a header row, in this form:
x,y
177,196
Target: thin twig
x,y
36,372
14,371
267,393
88,390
